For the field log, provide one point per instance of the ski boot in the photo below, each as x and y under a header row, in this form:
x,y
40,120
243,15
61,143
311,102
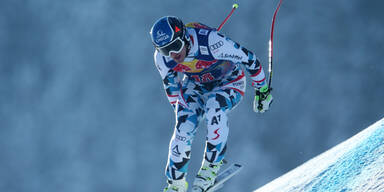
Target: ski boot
x,y
177,186
206,176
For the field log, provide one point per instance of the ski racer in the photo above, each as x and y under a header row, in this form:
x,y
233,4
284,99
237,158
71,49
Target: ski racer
x,y
203,76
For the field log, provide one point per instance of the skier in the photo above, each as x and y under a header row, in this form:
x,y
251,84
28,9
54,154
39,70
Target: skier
x,y
202,76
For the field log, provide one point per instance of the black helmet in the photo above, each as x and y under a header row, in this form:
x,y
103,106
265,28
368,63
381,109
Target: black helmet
x,y
169,35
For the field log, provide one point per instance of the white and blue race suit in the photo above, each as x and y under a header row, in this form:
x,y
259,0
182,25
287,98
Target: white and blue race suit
x,y
210,82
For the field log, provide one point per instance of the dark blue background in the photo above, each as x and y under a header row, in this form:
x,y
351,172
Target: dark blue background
x,y
82,106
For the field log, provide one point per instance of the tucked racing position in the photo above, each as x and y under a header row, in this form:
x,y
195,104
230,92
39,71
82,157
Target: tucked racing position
x,y
203,76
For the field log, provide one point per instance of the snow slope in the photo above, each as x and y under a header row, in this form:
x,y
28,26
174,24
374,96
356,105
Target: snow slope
x,y
355,165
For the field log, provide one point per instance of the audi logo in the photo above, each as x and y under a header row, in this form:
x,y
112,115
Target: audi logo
x,y
216,45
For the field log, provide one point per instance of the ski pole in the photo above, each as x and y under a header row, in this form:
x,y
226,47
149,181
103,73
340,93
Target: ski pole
x,y
234,6
270,50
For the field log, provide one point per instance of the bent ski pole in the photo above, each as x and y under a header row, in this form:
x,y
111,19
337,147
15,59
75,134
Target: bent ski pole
x,y
271,46
234,6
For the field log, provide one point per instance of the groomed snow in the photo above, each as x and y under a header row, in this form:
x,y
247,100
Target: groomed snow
x,y
356,165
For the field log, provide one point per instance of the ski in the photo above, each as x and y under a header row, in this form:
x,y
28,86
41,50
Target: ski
x,y
232,170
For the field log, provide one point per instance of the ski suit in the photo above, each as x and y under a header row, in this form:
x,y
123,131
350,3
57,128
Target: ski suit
x,y
209,82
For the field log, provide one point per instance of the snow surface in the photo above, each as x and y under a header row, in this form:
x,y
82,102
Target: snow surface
x,y
355,165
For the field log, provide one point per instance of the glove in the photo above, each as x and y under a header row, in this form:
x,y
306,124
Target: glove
x,y
263,99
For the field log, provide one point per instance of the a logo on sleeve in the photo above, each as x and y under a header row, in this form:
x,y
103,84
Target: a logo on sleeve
x,y
232,56
216,45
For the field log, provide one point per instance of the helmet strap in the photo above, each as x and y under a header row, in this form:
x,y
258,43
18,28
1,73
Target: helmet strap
x,y
188,46
187,40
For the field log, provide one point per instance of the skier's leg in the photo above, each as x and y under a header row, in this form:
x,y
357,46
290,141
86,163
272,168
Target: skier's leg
x,y
218,105
188,113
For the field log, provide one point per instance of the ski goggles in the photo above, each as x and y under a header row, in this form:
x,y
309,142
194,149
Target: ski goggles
x,y
174,47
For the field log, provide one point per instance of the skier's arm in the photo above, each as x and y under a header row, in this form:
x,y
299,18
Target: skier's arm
x,y
226,49
170,79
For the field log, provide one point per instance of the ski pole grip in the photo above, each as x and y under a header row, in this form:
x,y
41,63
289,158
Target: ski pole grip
x,y
234,6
